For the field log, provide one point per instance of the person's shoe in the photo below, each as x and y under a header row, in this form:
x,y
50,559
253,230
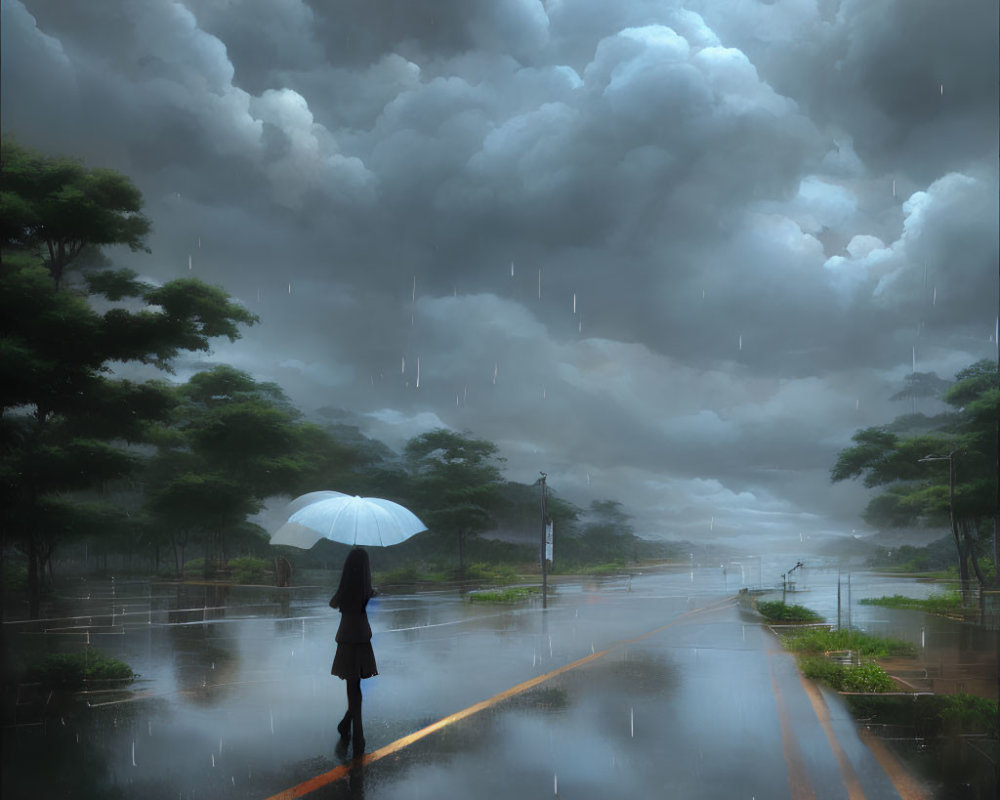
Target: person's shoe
x,y
344,728
359,747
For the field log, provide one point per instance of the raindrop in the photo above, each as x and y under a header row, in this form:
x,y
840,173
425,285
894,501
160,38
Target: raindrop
x,y
190,266
942,90
914,359
857,404
631,722
893,187
711,524
220,745
574,302
923,637
550,647
402,366
213,759
934,298
512,269
418,372
591,648
741,343
133,753
289,287
539,283
543,393
413,294
270,713
199,243
457,404
555,783
496,370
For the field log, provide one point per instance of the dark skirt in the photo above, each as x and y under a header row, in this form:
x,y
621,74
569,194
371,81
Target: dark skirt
x,y
354,661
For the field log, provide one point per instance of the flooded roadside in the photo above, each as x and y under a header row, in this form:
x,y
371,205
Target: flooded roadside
x,y
234,683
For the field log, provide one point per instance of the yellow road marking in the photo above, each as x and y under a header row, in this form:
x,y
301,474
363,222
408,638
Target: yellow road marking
x,y
907,786
343,770
798,776
850,777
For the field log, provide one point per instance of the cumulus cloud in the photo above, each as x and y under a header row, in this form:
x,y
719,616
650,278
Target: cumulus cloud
x,y
672,252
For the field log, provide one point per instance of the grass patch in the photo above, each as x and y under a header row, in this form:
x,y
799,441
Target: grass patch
x,y
72,670
821,640
512,594
947,603
776,611
868,677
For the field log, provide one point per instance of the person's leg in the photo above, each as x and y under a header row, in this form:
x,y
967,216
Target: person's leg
x,y
344,726
354,708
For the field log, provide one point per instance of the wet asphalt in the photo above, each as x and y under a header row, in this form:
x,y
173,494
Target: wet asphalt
x,y
655,685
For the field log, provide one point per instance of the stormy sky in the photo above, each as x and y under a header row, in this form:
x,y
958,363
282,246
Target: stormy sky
x,y
670,252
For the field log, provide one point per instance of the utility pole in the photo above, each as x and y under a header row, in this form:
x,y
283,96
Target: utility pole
x,y
541,551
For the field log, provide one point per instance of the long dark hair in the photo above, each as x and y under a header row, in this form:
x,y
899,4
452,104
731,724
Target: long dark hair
x,y
355,589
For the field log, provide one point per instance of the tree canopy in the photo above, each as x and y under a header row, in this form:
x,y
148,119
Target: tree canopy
x,y
59,206
68,425
916,459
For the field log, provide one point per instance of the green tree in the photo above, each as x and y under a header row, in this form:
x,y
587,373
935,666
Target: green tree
x,y
936,470
62,207
455,480
231,443
68,427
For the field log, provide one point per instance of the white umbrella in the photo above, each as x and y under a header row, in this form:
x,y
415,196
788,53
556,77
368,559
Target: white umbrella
x,y
367,521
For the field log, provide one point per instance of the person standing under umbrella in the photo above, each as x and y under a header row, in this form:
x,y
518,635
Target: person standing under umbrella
x,y
355,658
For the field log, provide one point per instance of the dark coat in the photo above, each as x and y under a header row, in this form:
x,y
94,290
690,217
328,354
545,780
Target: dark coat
x,y
354,627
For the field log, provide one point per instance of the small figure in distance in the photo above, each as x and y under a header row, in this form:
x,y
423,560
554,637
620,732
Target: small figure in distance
x,y
355,658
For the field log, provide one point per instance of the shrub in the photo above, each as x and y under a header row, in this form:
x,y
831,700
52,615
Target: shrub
x,y
247,569
776,611
72,670
867,677
821,640
196,566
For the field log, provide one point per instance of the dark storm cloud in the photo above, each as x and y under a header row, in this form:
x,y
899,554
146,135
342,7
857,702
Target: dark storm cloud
x,y
670,252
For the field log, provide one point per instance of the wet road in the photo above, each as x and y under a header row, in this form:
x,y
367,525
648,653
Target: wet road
x,y
655,685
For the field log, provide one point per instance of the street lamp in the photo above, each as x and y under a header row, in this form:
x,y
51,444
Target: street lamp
x,y
950,458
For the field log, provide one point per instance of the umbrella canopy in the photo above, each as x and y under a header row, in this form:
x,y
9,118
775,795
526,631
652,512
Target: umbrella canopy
x,y
365,521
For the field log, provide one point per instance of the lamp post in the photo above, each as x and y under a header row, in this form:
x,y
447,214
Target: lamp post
x,y
544,524
963,571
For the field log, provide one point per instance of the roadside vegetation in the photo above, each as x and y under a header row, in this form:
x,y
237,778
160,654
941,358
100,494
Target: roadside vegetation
x,y
513,594
74,670
946,604
812,641
776,611
817,649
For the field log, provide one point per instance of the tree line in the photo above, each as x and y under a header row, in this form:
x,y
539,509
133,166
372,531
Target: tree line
x,y
162,468
938,470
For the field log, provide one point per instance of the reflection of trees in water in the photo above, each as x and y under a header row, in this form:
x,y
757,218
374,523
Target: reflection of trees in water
x,y
81,755
200,665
